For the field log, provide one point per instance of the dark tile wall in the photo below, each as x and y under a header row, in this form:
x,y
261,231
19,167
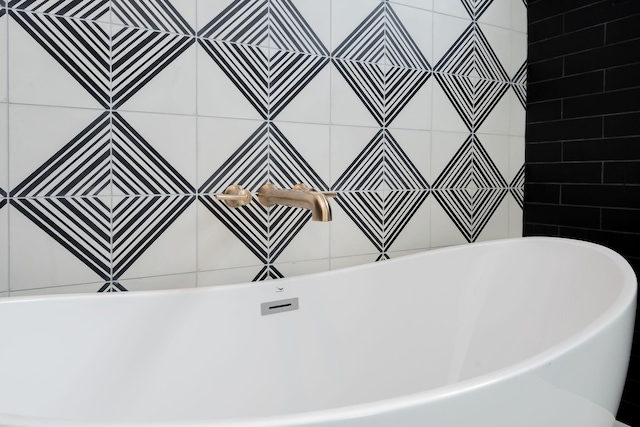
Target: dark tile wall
x,y
583,134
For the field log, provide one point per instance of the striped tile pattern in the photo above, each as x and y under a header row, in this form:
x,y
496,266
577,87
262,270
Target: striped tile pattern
x,y
382,64
108,194
472,77
470,188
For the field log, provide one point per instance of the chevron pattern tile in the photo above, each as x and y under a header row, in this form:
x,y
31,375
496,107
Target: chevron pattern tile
x,y
108,190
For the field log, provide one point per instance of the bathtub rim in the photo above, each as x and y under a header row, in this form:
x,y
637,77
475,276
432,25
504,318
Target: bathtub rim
x,y
626,301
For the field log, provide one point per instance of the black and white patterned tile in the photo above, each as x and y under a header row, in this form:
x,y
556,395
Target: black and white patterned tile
x,y
399,106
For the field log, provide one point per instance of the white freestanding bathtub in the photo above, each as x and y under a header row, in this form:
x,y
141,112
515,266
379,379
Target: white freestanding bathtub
x,y
526,332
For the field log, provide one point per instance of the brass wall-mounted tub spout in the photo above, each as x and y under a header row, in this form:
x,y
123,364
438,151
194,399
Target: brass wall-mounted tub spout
x,y
299,196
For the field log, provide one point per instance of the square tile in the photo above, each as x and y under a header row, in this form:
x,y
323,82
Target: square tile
x,y
300,268
37,260
347,142
313,242
346,107
313,103
173,137
86,288
68,74
207,10
417,113
515,217
444,146
227,276
31,147
4,147
92,10
317,14
416,234
416,144
347,239
346,16
443,230
352,261
497,14
313,143
169,252
172,90
418,21
217,95
498,226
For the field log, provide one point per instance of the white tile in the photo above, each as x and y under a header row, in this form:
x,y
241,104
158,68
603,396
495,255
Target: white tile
x,y
299,268
187,9
418,4
518,16
497,122
218,247
4,247
497,147
517,114
173,252
313,142
446,29
313,103
3,57
347,142
416,235
218,139
443,230
417,113
500,41
227,276
312,242
498,226
217,96
444,146
498,14
35,77
30,146
172,136
417,146
346,16
346,107
346,238
515,217
516,156
419,25
444,116
36,260
172,90
173,281
317,14
448,7
518,52
207,10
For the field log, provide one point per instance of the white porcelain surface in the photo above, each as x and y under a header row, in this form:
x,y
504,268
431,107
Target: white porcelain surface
x,y
369,346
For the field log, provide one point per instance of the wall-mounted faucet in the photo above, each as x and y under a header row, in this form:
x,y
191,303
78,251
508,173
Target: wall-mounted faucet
x,y
300,196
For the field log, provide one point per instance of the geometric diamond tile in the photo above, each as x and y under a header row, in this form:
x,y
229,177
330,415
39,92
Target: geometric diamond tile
x,y
267,156
112,287
383,65
158,15
365,197
87,10
519,84
516,188
3,198
268,57
81,47
472,77
470,188
476,8
65,197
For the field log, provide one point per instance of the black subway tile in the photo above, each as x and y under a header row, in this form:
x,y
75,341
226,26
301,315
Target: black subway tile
x,y
564,173
623,29
602,149
589,38
628,245
601,58
602,103
599,12
544,70
530,229
576,85
621,172
544,111
545,29
542,193
545,152
565,130
545,9
610,196
623,77
624,220
622,125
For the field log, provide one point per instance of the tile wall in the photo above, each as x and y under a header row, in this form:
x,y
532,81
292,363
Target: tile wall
x,y
120,119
